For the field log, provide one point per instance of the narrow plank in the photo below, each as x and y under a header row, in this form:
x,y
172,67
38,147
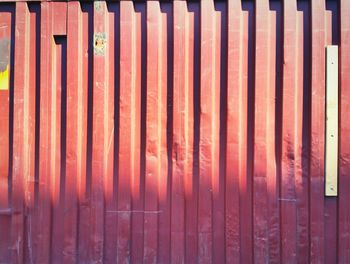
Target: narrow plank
x,y
56,140
261,125
129,115
317,132
5,210
59,18
245,175
31,227
110,190
182,127
103,130
218,180
331,143
75,132
164,183
84,181
5,42
301,164
58,129
273,188
21,147
344,134
209,131
236,131
156,151
44,197
289,166
59,71
138,184
191,78
331,158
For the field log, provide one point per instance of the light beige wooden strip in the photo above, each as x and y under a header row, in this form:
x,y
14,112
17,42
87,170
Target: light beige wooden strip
x,y
331,158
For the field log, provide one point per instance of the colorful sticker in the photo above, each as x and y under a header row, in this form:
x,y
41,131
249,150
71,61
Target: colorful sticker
x,y
4,79
4,63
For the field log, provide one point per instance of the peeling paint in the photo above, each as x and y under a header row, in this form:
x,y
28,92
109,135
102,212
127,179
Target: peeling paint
x,y
4,53
100,40
98,6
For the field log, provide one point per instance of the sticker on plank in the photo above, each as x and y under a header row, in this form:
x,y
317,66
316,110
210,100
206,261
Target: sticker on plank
x,y
100,40
4,63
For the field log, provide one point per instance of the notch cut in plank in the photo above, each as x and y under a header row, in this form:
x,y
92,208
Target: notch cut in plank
x,y
331,151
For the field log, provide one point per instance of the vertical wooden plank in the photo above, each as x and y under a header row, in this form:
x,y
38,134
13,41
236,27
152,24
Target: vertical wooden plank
x,y
84,182
164,183
153,136
21,149
259,182
30,190
129,120
76,131
58,127
103,130
236,133
5,69
182,133
109,130
218,155
109,184
44,197
245,179
273,189
209,131
330,211
180,127
191,79
156,151
264,137
111,222
139,70
289,166
5,46
317,131
56,158
301,165
344,135
331,144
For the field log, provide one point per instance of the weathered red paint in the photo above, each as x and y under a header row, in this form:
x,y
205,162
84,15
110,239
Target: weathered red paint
x,y
171,132
343,222
5,208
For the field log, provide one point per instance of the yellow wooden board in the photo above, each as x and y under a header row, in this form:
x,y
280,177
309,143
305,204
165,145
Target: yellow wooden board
x,y
4,79
331,151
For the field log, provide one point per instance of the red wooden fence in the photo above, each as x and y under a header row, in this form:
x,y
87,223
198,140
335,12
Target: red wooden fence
x,y
171,132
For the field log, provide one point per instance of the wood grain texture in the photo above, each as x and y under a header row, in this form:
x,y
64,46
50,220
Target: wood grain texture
x,y
172,132
343,252
331,144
